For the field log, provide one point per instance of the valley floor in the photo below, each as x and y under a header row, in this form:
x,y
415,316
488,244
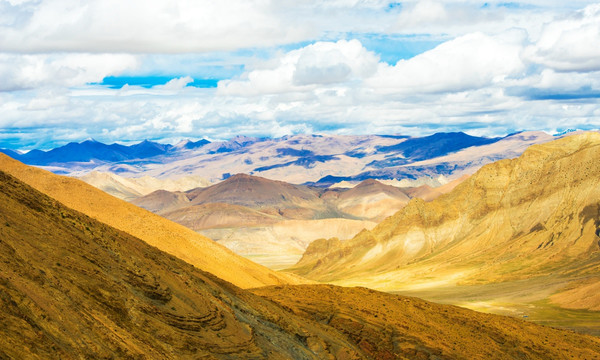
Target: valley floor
x,y
526,299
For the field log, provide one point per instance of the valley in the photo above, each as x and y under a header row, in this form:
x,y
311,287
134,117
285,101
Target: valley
x,y
518,237
79,288
299,180
472,241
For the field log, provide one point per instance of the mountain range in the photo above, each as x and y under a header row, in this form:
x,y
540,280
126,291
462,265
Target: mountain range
x,y
529,224
320,160
74,287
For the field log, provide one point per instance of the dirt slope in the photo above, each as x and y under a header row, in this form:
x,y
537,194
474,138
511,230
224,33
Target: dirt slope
x,y
155,230
72,287
396,327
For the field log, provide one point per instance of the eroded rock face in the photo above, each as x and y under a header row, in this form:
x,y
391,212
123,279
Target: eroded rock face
x,y
514,219
387,326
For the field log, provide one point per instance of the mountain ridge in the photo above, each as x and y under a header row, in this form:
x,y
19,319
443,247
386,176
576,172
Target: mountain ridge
x,y
155,230
531,217
299,159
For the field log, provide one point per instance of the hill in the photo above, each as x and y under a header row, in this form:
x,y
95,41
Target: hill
x,y
153,229
272,222
369,200
531,222
72,287
259,193
132,188
372,200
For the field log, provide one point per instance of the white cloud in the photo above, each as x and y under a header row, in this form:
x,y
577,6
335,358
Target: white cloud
x,y
176,84
423,13
318,64
184,26
64,70
145,26
500,70
570,44
468,62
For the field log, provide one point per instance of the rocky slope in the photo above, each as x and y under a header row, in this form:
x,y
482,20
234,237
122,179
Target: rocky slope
x,y
72,287
535,217
153,229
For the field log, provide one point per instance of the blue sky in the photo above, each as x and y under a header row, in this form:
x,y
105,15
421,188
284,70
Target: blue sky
x,y
167,70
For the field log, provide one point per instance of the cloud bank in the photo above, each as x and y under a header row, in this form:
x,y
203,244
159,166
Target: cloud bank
x,y
286,67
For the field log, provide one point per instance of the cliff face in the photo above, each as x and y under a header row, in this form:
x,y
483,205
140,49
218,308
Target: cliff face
x,y
533,216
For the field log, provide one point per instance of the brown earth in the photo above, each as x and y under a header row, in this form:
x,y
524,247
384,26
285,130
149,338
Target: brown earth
x,y
72,287
219,215
162,201
157,231
387,326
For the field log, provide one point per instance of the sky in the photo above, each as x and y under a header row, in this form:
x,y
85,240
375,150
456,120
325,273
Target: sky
x,y
125,71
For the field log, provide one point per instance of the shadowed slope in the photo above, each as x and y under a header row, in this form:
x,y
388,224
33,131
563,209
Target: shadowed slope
x,y
533,217
155,230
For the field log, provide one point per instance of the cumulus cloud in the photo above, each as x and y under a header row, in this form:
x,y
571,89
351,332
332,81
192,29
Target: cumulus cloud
x,y
570,44
503,74
64,70
143,26
470,61
321,63
183,26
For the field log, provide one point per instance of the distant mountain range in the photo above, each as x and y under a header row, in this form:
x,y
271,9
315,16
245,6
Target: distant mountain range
x,y
320,160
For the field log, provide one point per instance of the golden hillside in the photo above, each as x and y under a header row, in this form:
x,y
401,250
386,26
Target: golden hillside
x,y
72,287
153,229
534,217
389,326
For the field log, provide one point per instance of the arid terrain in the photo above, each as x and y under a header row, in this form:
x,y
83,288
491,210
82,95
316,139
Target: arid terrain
x,y
153,229
272,222
299,180
519,236
73,287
